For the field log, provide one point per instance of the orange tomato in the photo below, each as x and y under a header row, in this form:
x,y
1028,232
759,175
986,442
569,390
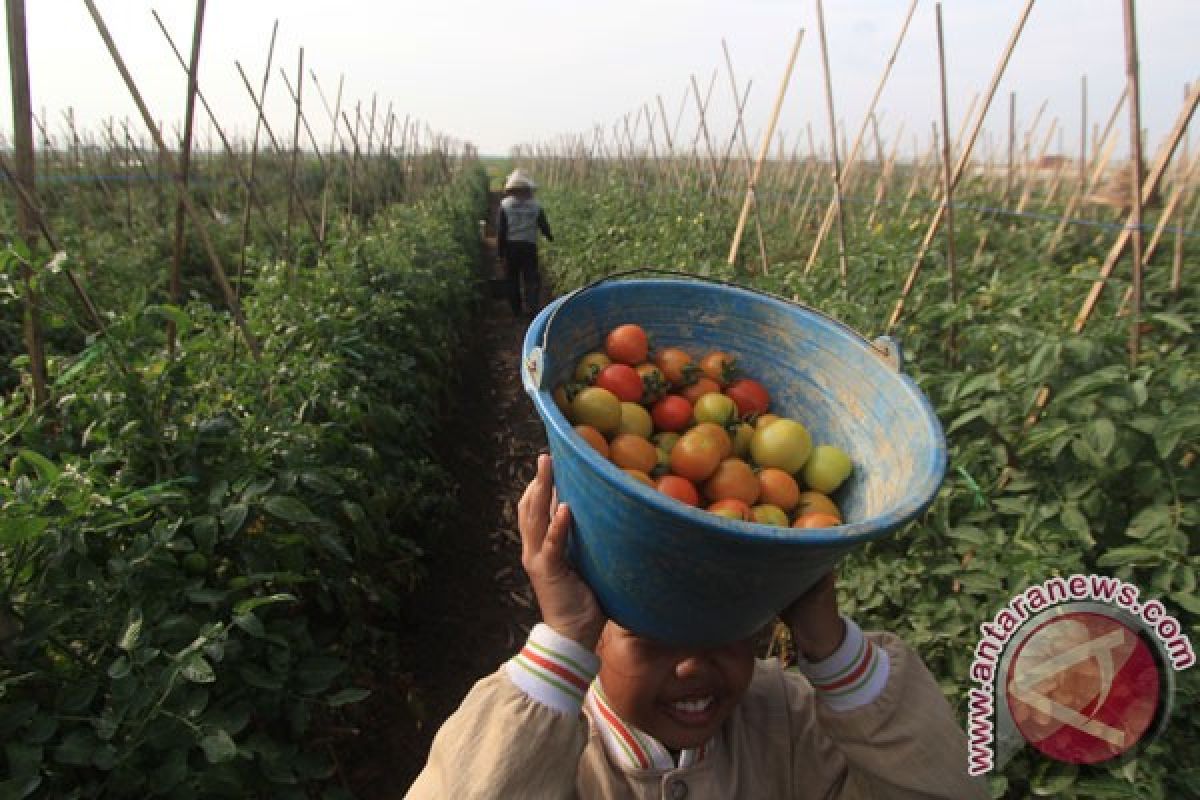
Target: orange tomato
x,y
677,366
813,501
778,488
593,437
630,451
627,344
701,387
696,456
719,366
654,383
732,478
640,477
681,489
816,519
718,434
732,508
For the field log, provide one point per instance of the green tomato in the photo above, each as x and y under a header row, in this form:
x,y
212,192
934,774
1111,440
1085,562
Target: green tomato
x,y
635,419
665,440
590,366
715,407
784,443
597,407
743,435
826,468
768,514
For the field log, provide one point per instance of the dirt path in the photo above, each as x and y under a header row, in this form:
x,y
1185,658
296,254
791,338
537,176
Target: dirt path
x,y
475,606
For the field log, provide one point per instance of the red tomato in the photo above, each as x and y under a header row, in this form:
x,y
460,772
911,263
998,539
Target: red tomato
x,y
622,380
627,344
751,397
677,366
681,489
672,413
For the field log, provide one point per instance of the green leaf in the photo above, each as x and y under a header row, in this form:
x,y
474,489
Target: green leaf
x,y
233,517
260,678
335,546
1171,320
347,696
183,323
1131,555
14,530
76,748
289,509
1188,601
218,747
132,634
197,670
320,481
1101,436
964,419
248,605
46,469
317,672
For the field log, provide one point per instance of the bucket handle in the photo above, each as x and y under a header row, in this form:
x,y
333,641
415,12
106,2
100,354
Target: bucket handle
x,y
886,347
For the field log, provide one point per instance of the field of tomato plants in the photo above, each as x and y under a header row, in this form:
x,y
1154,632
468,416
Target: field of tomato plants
x,y
1104,481
198,547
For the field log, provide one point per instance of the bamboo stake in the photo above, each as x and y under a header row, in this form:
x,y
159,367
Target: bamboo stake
x,y
834,206
1083,120
702,108
185,162
833,146
1149,187
963,158
1012,143
1177,262
243,179
762,153
1102,151
218,271
885,176
948,185
739,135
1135,133
266,126
291,203
258,123
18,61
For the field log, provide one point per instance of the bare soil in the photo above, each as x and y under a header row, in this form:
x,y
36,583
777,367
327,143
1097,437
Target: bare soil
x,y
475,607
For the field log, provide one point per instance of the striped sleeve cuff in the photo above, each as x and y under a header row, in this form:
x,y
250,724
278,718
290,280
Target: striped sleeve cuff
x,y
853,676
554,670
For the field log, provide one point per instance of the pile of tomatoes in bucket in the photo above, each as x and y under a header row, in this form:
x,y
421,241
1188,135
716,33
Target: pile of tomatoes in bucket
x,y
696,429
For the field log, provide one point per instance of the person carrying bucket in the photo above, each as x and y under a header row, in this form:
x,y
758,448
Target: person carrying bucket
x,y
517,224
589,709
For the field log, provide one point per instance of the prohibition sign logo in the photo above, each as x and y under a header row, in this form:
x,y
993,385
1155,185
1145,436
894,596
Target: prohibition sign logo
x,y
1084,688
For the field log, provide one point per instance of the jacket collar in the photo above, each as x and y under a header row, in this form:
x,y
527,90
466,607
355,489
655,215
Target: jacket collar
x,y
632,748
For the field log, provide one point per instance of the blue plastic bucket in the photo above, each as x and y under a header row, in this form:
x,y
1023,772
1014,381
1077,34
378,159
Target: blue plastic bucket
x,y
682,575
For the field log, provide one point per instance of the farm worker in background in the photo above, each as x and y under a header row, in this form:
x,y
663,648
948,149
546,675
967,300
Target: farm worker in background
x,y
590,710
517,225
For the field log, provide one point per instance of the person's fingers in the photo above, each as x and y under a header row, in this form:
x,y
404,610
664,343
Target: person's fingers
x,y
534,508
555,545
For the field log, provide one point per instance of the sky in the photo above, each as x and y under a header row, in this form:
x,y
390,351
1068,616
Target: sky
x,y
507,72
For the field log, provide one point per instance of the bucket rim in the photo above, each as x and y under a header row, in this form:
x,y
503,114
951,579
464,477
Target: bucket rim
x,y
925,486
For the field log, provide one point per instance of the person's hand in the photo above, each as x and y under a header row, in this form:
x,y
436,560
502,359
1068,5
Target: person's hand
x,y
813,619
567,602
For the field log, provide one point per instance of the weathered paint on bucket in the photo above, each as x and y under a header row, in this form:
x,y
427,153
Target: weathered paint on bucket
x,y
682,575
